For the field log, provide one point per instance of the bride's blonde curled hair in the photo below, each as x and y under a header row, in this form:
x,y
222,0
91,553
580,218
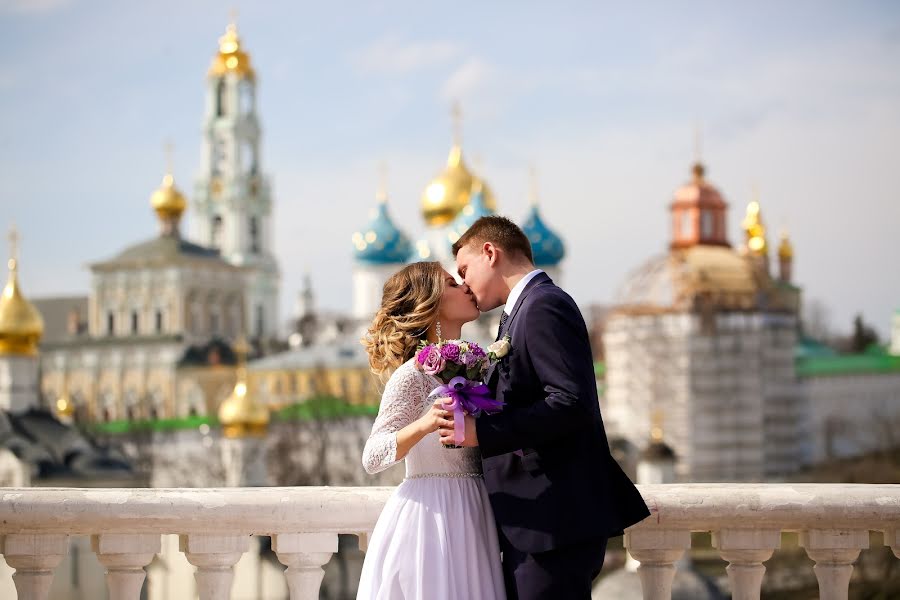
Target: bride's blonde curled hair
x,y
409,306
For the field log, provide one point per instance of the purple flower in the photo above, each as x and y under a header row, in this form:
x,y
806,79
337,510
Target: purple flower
x,y
422,355
476,350
470,359
432,363
450,352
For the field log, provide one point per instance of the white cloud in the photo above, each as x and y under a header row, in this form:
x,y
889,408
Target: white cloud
x,y
391,55
486,90
32,6
468,79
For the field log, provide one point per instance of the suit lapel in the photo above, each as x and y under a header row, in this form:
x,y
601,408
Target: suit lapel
x,y
537,280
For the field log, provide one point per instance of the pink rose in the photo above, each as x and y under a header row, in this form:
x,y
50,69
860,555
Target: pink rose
x,y
422,354
432,363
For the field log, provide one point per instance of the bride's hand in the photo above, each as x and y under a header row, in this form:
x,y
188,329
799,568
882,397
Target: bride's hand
x,y
437,416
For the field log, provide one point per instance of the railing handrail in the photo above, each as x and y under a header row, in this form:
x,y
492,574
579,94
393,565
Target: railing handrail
x,y
271,510
260,510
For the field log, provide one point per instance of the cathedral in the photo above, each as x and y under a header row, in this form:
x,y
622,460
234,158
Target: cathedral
x,y
154,339
704,335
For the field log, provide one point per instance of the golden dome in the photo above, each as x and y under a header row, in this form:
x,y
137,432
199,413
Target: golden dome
x,y
449,192
167,201
230,58
755,230
240,415
785,248
21,325
676,280
64,406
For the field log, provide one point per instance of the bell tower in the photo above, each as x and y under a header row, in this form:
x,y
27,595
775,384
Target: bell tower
x,y
233,205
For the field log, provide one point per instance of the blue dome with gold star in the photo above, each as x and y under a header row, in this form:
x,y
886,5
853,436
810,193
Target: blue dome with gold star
x,y
547,247
380,241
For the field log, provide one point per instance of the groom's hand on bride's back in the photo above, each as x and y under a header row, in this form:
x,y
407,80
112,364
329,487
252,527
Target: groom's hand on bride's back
x,y
471,437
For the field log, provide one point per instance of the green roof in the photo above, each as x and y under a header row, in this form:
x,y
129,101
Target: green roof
x,y
324,407
317,408
848,364
808,347
125,426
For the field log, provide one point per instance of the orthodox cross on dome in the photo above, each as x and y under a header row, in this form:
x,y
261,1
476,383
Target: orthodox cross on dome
x,y
698,142
532,185
381,195
241,349
13,238
698,150
169,151
656,421
456,115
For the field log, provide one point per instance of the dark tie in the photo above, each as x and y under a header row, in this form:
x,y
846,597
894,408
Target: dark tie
x,y
503,318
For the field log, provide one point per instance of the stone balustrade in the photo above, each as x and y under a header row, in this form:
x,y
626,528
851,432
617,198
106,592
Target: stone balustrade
x,y
215,525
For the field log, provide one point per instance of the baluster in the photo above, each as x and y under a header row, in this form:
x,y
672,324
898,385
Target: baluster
x,y
34,557
214,556
125,556
892,539
657,550
746,550
364,538
304,554
834,551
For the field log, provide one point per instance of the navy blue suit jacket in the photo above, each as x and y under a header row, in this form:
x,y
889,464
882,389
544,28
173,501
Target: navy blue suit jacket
x,y
547,465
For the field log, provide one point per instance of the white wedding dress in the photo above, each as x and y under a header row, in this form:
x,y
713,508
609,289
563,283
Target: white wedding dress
x,y
436,538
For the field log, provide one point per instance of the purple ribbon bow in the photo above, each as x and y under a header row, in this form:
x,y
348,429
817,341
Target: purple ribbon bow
x,y
466,397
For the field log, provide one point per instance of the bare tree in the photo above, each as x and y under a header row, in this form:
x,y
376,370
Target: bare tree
x,y
816,320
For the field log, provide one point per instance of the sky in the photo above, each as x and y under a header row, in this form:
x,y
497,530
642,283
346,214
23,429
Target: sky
x,y
799,100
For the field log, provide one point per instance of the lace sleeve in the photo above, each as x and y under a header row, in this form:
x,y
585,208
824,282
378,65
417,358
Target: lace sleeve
x,y
401,404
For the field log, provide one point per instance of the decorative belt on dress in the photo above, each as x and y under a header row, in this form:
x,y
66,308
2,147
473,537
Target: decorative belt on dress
x,y
444,475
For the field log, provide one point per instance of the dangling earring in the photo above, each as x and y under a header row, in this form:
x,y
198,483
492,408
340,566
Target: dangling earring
x,y
437,329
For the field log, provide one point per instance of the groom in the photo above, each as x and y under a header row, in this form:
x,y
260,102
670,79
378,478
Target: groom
x,y
556,492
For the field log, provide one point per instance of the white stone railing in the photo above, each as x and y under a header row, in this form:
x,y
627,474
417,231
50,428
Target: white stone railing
x,y
215,525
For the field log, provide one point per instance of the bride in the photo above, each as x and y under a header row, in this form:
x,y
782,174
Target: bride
x,y
436,537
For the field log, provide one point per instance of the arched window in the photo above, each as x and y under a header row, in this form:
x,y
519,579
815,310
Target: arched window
x,y
706,223
248,158
220,97
196,314
245,92
254,234
215,228
220,156
260,320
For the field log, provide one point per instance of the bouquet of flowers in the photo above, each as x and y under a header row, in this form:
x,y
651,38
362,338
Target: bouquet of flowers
x,y
462,367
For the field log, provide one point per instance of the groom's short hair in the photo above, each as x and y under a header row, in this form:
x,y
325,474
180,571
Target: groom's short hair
x,y
499,231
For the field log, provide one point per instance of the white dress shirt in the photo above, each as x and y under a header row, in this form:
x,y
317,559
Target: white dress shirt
x,y
517,290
